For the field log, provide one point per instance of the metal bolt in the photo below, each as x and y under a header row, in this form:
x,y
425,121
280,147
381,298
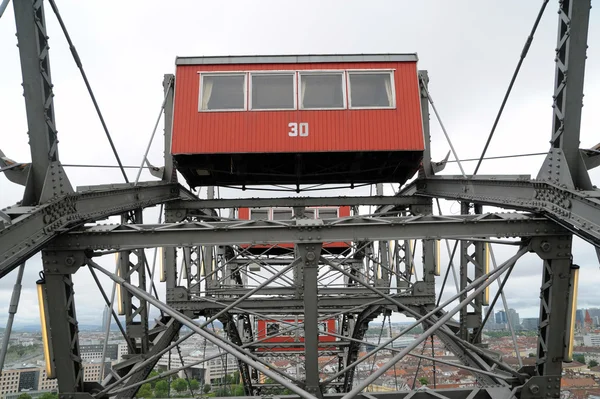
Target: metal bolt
x,y
545,246
534,389
310,256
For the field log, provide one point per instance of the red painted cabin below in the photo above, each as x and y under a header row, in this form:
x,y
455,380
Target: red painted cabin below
x,y
266,328
297,119
319,212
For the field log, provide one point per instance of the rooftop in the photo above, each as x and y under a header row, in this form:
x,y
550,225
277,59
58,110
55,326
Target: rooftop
x,y
295,59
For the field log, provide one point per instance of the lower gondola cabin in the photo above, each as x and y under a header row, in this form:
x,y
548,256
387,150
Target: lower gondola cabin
x,y
286,213
274,332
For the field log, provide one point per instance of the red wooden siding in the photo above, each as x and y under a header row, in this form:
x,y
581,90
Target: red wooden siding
x,y
262,334
397,129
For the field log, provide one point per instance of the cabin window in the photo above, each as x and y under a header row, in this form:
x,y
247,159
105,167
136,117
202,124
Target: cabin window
x,y
259,214
371,90
272,91
328,213
309,213
323,327
223,92
282,214
321,90
272,329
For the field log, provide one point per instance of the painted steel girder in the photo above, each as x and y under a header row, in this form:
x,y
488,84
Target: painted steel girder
x,y
123,237
296,306
32,228
225,203
576,210
170,329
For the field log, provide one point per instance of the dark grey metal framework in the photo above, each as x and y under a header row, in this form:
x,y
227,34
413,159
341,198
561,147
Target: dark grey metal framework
x,y
210,271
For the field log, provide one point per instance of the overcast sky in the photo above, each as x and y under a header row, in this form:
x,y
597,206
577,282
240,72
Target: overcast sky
x,y
470,49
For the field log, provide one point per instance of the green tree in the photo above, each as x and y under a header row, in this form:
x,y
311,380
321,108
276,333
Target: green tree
x,y
194,384
24,396
48,395
579,358
145,391
179,385
423,380
593,363
161,389
224,391
531,355
153,373
238,390
206,388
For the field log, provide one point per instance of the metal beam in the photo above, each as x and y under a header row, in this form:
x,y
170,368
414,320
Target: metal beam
x,y
46,177
169,329
554,303
224,203
363,384
62,322
29,232
233,350
564,165
169,173
577,211
296,306
310,254
104,237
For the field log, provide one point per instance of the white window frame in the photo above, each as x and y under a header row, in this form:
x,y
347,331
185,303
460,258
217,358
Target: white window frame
x,y
278,208
312,209
294,75
323,72
337,211
224,73
371,72
259,209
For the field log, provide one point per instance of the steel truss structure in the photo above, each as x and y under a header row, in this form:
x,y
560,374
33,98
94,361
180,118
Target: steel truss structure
x,y
213,271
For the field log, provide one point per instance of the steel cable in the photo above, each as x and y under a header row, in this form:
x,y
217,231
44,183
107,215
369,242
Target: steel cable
x,y
512,82
87,85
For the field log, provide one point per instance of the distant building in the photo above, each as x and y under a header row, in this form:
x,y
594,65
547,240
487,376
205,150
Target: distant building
x,y
123,350
106,317
594,312
589,324
33,380
514,318
93,352
530,323
579,318
591,340
501,317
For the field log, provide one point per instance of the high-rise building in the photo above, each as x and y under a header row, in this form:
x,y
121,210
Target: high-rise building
x,y
594,312
591,340
579,318
501,317
106,317
530,323
514,317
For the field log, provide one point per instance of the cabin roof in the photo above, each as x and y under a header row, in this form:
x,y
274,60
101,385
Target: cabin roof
x,y
295,59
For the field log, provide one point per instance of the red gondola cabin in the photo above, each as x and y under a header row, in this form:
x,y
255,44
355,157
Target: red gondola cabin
x,y
252,120
267,327
286,213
